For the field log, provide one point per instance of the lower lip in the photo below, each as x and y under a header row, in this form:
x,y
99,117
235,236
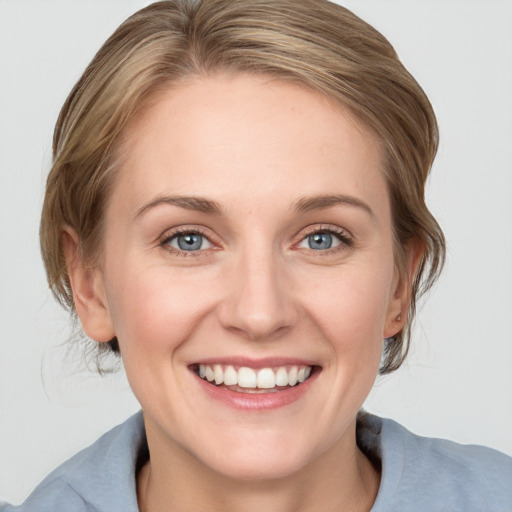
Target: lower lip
x,y
257,401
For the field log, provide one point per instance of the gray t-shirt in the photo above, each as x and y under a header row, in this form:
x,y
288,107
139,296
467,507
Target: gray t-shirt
x,y
418,474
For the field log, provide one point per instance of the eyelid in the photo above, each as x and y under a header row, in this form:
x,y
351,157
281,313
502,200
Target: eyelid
x,y
169,234
345,237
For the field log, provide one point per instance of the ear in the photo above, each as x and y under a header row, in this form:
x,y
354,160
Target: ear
x,y
88,290
400,297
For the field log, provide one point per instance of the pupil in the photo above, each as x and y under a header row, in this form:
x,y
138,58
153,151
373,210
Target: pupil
x,y
189,242
320,241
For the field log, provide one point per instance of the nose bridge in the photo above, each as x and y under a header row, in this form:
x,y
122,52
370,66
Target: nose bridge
x,y
259,304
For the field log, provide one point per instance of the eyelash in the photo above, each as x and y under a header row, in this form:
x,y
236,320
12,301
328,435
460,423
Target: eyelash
x,y
168,237
346,240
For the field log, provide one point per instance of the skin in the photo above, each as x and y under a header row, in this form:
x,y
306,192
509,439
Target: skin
x,y
256,147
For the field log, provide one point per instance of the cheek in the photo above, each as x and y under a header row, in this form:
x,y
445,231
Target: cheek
x,y
350,305
155,309
351,313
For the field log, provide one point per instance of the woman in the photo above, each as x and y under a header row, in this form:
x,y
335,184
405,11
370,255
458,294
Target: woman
x,y
236,206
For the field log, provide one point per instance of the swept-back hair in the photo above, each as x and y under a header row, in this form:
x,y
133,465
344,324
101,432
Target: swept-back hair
x,y
315,43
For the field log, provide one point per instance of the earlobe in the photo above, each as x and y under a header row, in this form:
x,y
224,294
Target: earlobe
x,y
401,290
88,290
396,314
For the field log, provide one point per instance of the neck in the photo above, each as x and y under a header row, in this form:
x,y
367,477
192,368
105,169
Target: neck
x,y
340,479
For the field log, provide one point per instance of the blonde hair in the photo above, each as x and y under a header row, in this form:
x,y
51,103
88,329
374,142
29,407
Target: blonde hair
x,y
318,44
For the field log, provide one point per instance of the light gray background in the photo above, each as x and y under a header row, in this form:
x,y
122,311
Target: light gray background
x,y
457,382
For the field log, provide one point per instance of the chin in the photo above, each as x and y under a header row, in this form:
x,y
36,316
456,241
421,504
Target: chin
x,y
263,457
258,468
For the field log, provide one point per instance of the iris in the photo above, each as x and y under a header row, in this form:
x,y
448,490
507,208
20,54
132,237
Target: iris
x,y
320,241
190,242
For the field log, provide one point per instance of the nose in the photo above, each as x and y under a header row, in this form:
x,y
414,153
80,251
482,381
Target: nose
x,y
258,304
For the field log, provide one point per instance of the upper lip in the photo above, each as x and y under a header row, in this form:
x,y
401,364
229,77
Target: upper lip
x,y
256,363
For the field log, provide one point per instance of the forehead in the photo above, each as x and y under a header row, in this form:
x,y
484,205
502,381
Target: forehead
x,y
244,135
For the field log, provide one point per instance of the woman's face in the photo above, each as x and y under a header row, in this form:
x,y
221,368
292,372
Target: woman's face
x,y
248,237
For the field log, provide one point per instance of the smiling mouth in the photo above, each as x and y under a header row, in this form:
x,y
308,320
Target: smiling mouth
x,y
248,380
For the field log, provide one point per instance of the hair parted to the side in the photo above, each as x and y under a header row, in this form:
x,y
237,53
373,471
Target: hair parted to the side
x,y
318,44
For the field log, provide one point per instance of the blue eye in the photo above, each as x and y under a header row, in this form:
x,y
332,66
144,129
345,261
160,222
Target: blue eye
x,y
188,242
320,241
323,240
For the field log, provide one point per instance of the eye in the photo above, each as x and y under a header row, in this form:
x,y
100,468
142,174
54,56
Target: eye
x,y
325,239
321,241
187,241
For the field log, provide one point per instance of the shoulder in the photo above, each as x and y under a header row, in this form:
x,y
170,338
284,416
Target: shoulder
x,y
51,495
100,478
425,474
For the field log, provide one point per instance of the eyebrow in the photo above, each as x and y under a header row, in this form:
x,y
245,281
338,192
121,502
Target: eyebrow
x,y
303,205
307,204
198,204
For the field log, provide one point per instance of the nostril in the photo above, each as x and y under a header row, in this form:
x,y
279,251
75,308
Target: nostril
x,y
258,306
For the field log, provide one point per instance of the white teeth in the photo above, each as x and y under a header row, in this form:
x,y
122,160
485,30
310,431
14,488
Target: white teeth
x,y
281,377
209,374
246,377
264,378
292,376
219,374
230,376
